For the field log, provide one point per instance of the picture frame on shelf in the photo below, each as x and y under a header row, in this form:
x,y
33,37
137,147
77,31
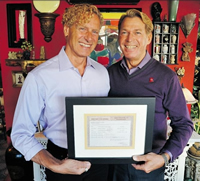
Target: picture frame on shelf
x,y
19,23
18,78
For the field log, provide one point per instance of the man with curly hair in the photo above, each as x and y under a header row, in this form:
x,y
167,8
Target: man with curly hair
x,y
69,74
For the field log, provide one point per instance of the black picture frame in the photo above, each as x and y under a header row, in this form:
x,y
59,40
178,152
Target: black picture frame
x,y
11,24
72,102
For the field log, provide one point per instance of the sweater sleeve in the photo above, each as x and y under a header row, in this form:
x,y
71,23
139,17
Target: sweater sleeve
x,y
182,126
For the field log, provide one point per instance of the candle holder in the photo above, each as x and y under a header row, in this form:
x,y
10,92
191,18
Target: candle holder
x,y
47,23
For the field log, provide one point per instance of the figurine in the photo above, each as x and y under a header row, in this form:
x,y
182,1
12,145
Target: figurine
x,y
164,59
165,39
157,38
157,28
157,49
42,52
172,49
173,39
165,49
172,59
156,56
12,55
156,11
186,50
19,55
165,28
180,72
173,28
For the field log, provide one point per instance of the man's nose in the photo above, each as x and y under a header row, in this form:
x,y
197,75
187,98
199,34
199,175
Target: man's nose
x,y
88,35
130,37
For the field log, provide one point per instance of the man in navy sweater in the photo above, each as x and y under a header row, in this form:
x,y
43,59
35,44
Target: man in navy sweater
x,y
137,75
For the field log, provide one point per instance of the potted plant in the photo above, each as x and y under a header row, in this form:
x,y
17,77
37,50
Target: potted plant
x,y
27,47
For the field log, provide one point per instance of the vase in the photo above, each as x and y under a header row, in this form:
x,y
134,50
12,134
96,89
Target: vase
x,y
165,49
18,168
26,55
173,8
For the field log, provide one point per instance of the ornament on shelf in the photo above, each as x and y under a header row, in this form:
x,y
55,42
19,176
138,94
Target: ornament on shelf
x,y
42,53
180,72
12,55
172,59
165,18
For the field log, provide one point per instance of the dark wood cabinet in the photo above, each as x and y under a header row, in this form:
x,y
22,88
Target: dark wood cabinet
x,y
165,42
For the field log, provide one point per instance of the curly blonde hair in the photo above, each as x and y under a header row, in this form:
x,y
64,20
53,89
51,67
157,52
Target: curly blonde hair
x,y
131,13
80,14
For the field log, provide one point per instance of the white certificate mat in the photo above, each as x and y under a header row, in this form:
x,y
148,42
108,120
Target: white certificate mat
x,y
109,130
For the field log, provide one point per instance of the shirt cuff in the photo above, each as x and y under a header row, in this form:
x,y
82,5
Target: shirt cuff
x,y
170,154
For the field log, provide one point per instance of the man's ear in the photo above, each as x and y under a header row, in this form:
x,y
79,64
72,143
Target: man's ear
x,y
66,30
149,38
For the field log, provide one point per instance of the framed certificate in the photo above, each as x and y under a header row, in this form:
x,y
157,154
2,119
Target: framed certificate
x,y
109,130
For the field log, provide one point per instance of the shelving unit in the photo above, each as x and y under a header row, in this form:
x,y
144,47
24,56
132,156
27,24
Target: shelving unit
x,y
165,42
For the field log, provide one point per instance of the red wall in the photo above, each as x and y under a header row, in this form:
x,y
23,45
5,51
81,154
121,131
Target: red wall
x,y
53,47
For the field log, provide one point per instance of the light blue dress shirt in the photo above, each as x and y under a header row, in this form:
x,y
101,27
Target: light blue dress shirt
x,y
42,97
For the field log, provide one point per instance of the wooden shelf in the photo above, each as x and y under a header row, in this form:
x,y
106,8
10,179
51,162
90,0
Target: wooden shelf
x,y
23,63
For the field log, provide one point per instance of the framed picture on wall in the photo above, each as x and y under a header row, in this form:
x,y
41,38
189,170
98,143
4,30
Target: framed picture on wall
x,y
18,78
107,51
19,18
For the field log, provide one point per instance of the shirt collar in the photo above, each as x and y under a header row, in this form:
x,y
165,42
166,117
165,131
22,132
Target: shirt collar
x,y
142,63
65,63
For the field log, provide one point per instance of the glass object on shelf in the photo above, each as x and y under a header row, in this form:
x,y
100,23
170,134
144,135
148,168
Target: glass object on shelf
x,y
157,49
165,39
172,59
165,28
164,59
172,49
173,39
157,38
173,29
157,28
165,49
157,57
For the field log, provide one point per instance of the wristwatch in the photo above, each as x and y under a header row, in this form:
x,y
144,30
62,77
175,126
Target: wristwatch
x,y
165,159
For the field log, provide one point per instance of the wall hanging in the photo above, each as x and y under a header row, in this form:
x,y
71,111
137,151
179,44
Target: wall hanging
x,y
186,50
19,24
187,23
46,16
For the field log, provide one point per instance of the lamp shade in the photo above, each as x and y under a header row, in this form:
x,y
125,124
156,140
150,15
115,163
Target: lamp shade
x,y
188,96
